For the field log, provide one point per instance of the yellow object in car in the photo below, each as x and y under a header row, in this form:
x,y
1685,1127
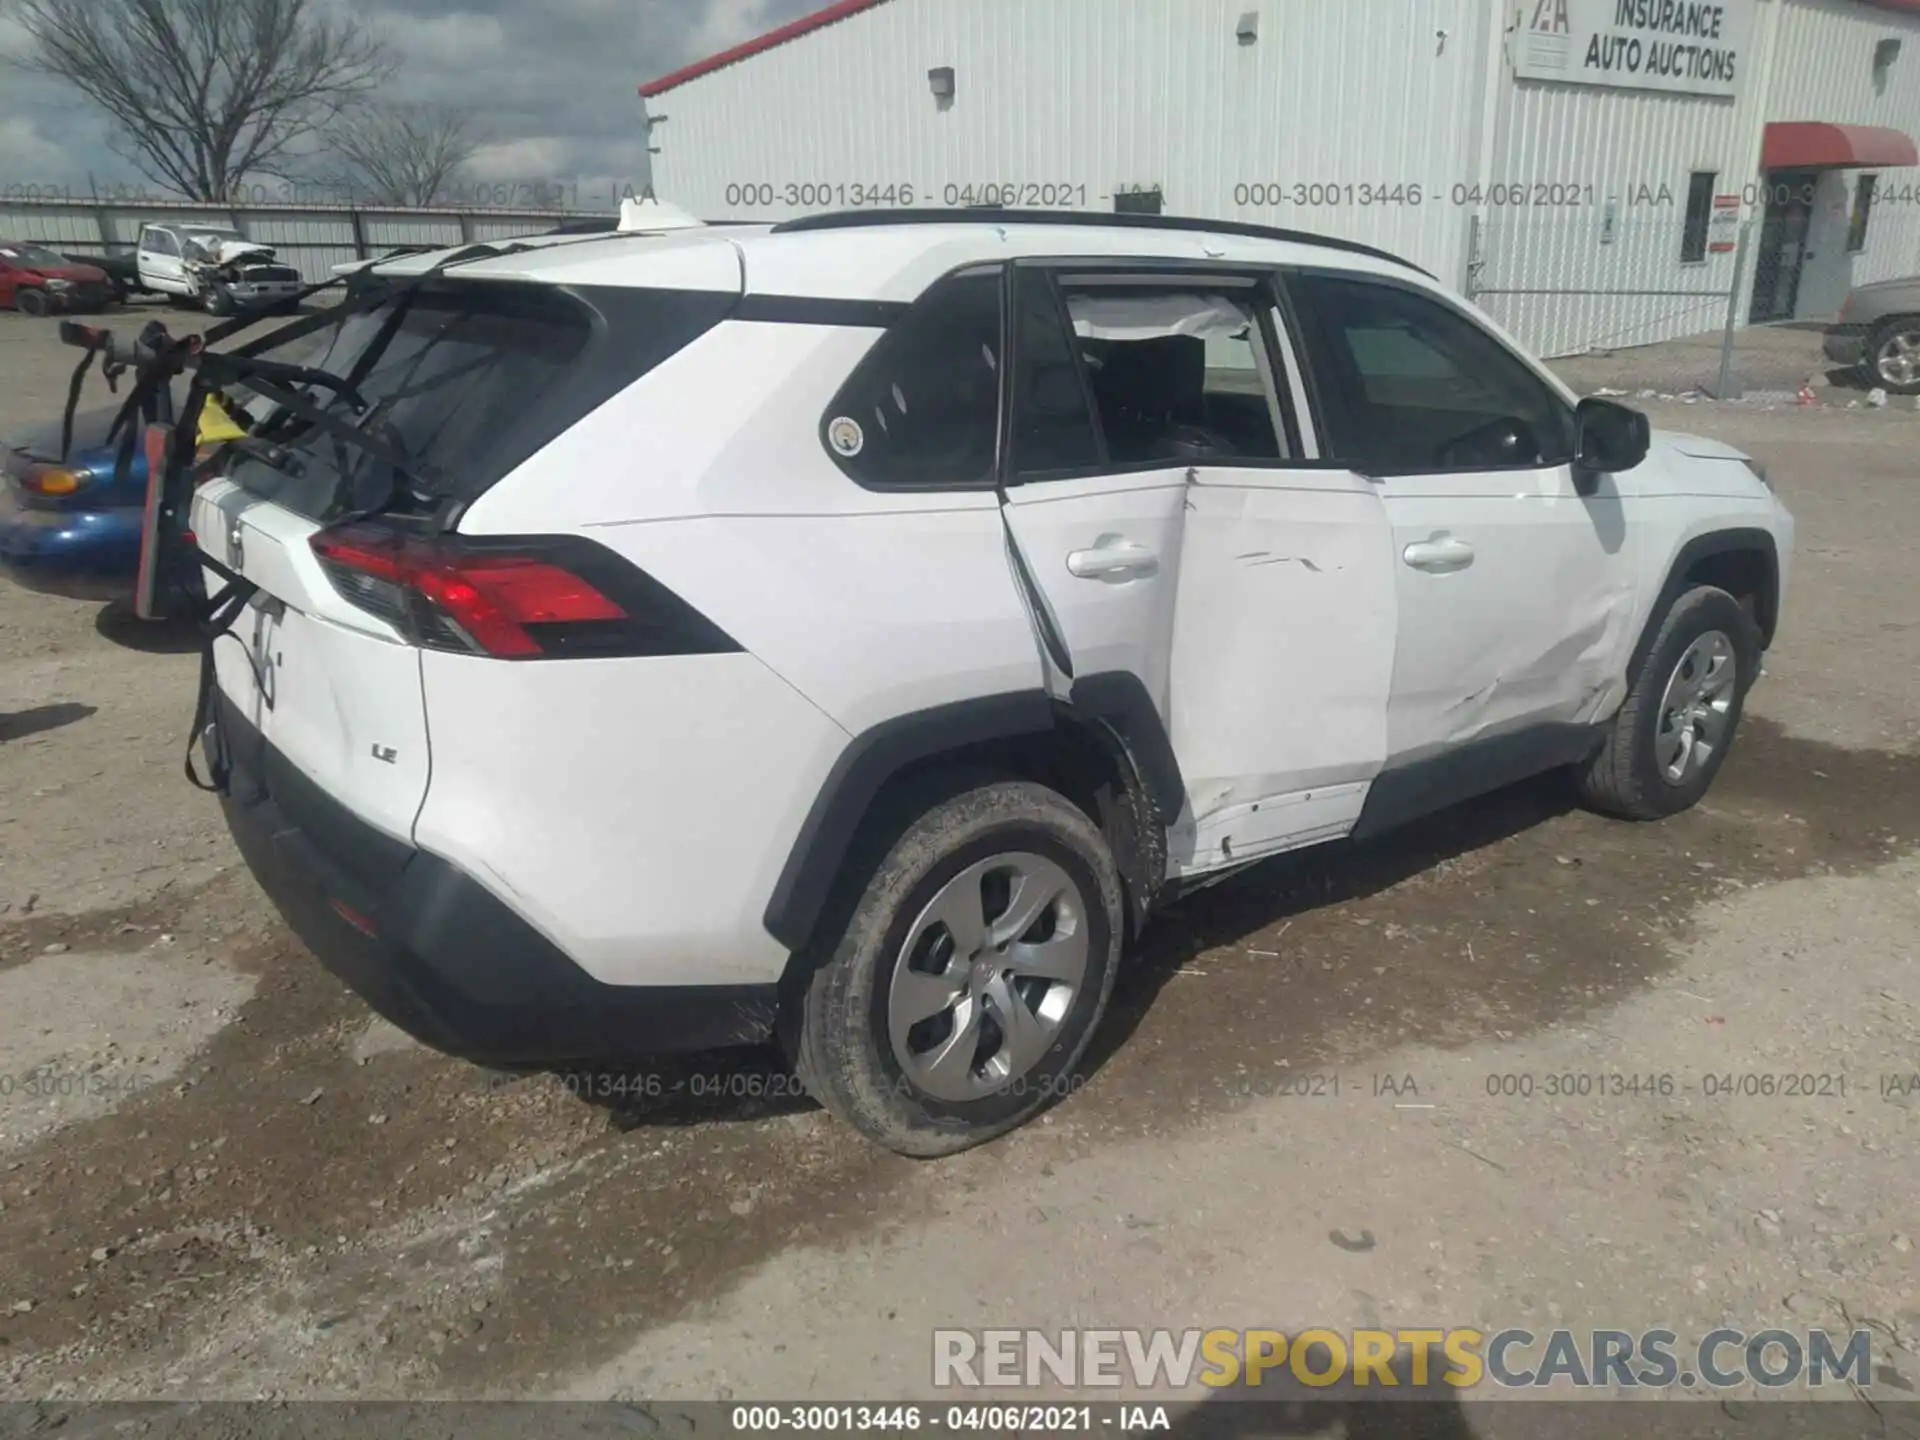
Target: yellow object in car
x,y
216,426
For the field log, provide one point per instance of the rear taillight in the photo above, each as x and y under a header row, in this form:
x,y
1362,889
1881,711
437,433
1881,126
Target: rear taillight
x,y
512,599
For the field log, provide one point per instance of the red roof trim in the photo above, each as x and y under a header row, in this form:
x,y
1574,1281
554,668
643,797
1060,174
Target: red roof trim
x,y
818,20
1814,145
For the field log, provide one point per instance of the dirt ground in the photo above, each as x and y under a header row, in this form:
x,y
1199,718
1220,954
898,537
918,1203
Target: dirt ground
x,y
220,1178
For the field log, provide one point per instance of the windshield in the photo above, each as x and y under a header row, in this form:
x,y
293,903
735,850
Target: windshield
x,y
35,255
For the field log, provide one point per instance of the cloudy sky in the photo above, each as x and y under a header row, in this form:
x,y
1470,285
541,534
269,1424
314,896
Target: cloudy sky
x,y
556,82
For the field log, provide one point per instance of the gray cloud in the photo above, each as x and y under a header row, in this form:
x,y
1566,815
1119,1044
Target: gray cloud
x,y
555,83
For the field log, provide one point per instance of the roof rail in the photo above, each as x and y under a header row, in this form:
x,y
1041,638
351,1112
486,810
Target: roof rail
x,y
990,215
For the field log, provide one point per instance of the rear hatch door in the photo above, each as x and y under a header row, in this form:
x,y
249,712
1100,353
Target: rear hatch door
x,y
463,377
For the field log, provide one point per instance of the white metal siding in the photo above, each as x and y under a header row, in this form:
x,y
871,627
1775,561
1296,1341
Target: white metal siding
x,y
1634,151
1388,93
1087,93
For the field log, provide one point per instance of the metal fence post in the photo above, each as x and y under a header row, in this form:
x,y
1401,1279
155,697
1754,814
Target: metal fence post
x,y
1728,386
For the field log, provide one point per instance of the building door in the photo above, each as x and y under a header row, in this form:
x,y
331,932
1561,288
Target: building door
x,y
1826,266
1783,244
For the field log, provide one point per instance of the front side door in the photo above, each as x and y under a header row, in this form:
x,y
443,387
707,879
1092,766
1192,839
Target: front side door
x,y
1513,588
1166,505
159,260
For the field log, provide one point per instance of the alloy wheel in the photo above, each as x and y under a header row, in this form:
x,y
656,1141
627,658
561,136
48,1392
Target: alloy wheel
x,y
1898,359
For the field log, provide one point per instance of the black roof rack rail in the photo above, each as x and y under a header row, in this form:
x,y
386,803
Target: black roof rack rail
x,y
985,215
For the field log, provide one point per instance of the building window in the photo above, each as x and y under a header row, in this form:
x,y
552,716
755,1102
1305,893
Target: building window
x,y
1693,241
1862,212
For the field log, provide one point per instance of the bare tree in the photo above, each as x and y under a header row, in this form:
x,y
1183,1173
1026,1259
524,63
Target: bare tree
x,y
203,93
404,154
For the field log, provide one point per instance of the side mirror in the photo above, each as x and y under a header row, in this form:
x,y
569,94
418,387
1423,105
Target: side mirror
x,y
1609,438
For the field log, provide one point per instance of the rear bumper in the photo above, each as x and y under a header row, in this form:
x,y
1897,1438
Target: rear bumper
x,y
437,953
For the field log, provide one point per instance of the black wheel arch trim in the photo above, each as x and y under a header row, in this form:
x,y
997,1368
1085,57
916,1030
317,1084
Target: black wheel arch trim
x,y
1119,698
1743,539
1119,701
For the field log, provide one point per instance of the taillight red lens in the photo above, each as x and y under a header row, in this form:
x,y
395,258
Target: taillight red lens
x,y
479,601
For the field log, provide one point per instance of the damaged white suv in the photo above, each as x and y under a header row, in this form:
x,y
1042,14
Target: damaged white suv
x,y
847,631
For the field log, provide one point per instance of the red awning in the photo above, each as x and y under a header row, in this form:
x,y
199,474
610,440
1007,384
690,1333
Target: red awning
x,y
1815,145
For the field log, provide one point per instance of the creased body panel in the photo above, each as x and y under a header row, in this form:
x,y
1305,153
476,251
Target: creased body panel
x,y
1283,651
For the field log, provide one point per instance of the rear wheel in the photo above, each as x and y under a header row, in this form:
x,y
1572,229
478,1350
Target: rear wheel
x,y
1893,355
962,994
31,300
1671,736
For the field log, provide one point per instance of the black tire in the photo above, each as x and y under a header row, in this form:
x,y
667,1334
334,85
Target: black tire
x,y
31,300
217,300
1877,338
1625,779
842,1046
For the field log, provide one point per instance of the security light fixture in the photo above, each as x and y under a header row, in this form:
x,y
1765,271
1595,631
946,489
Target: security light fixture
x,y
1248,30
940,81
1885,52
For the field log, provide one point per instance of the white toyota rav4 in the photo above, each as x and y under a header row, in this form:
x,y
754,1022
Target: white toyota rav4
x,y
846,631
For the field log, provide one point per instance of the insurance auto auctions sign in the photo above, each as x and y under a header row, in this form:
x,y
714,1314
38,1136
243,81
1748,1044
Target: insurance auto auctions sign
x,y
1684,47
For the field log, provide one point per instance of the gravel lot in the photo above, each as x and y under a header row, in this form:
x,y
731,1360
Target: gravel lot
x,y
241,1186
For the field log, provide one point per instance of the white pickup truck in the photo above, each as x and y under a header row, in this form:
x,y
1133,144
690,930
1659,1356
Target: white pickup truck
x,y
213,266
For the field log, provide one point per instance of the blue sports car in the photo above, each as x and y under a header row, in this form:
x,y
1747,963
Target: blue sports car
x,y
69,529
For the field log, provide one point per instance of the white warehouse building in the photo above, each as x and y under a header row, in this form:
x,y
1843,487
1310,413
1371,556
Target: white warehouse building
x,y
1584,169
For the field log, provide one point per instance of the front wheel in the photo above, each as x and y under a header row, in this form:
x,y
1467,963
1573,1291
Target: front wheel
x,y
962,994
218,300
1893,355
1672,734
31,300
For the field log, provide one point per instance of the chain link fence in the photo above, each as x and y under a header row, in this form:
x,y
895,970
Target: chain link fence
x,y
1664,304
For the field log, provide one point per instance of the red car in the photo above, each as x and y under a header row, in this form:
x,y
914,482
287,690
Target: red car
x,y
35,281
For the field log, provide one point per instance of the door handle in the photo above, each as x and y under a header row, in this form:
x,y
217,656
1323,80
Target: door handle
x,y
1440,553
1112,557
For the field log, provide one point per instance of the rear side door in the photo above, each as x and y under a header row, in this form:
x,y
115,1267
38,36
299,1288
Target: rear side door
x,y
1094,502
159,260
1188,548
1514,589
